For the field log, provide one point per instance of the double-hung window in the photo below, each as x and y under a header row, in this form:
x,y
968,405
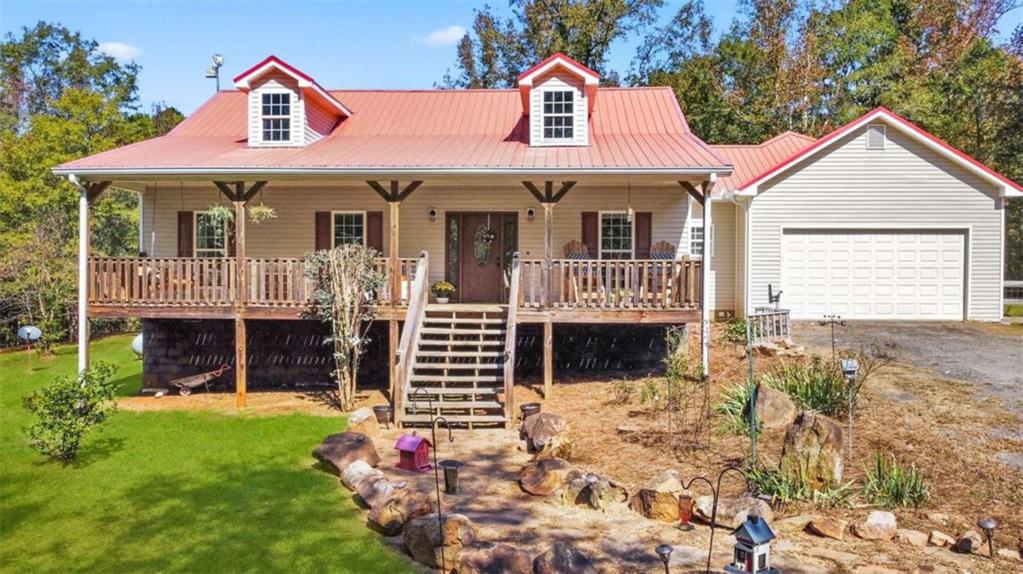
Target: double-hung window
x,y
558,114
616,235
349,228
210,236
697,242
276,113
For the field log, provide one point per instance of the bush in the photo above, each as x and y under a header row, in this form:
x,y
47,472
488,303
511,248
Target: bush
x,y
732,409
650,395
68,409
784,490
891,485
622,391
735,332
817,385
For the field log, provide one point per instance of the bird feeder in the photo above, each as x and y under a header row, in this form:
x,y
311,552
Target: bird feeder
x,y
752,552
413,453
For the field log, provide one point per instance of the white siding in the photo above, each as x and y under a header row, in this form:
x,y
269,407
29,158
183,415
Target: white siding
x,y
558,81
722,263
905,186
292,233
278,83
740,261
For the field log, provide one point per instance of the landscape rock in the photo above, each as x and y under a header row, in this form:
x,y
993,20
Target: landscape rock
x,y
791,524
731,511
603,493
968,542
938,518
374,491
767,349
658,499
427,546
775,410
812,451
1009,554
828,527
874,569
547,435
364,421
911,537
543,476
563,558
391,515
493,558
342,449
357,472
940,539
879,525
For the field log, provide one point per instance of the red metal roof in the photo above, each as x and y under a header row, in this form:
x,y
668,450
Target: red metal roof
x,y
749,161
632,129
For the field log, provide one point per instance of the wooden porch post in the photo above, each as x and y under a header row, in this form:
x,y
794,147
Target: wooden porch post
x,y
393,343
548,359
548,254
87,193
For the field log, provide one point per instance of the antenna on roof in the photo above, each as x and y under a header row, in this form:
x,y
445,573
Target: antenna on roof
x,y
213,71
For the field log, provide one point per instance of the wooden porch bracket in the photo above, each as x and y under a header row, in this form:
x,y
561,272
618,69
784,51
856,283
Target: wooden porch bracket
x,y
548,195
694,192
238,192
395,194
94,189
548,198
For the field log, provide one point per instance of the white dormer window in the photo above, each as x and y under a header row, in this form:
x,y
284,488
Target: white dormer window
x,y
276,115
558,114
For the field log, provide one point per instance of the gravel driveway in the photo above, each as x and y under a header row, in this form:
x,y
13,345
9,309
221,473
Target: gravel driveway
x,y
988,355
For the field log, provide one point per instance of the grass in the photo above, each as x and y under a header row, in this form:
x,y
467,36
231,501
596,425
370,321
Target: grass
x,y
732,409
174,491
785,490
816,385
1014,310
891,485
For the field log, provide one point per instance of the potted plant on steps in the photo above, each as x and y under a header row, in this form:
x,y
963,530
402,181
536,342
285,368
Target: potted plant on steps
x,y
442,290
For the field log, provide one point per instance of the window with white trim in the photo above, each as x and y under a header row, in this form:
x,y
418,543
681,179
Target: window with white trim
x,y
616,235
349,228
558,114
276,114
697,242
210,236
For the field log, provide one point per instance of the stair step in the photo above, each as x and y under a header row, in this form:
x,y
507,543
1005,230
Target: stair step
x,y
465,308
460,343
416,378
449,391
439,331
424,405
460,366
453,354
462,321
426,418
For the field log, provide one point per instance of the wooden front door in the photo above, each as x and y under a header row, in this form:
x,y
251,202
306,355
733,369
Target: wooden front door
x,y
479,251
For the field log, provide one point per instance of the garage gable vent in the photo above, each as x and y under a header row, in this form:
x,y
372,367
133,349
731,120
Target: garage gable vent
x,y
875,136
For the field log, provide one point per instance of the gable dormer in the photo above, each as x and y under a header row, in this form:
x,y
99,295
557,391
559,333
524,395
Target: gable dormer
x,y
287,108
558,96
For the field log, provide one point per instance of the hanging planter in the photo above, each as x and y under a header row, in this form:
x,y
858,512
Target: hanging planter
x,y
219,215
260,213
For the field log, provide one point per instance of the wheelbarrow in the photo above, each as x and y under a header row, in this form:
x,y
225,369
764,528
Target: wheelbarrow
x,y
186,384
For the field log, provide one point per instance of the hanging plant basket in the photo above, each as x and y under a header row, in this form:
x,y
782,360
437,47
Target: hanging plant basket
x,y
260,213
219,215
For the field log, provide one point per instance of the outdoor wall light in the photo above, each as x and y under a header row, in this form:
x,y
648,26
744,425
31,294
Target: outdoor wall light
x,y
432,215
530,214
988,525
664,552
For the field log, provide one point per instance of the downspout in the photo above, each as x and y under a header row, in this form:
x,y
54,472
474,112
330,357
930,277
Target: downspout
x,y
83,269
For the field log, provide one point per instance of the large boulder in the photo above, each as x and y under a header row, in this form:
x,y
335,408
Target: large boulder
x,y
731,511
427,545
358,472
494,558
598,495
774,409
563,558
544,476
658,499
375,490
547,435
812,451
342,449
879,525
391,515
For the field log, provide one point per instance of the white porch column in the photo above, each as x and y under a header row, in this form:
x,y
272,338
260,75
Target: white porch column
x,y
705,287
83,279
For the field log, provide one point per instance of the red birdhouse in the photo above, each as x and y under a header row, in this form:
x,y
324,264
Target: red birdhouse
x,y
413,453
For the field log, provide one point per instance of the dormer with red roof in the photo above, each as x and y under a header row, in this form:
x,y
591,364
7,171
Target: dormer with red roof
x,y
558,96
286,107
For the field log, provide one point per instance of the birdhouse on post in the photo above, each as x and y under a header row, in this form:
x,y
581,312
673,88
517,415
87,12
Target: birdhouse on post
x,y
413,453
752,548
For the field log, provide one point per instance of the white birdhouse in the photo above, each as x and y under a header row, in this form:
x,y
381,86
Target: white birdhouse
x,y
752,548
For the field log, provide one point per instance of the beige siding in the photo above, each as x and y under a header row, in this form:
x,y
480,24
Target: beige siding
x,y
558,81
740,261
905,186
292,233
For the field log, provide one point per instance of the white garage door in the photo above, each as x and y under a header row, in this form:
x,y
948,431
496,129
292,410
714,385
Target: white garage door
x,y
873,274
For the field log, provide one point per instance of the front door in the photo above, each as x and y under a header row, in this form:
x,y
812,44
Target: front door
x,y
479,250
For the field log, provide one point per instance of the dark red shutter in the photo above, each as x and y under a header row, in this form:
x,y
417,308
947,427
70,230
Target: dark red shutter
x,y
590,222
375,230
186,233
643,234
323,235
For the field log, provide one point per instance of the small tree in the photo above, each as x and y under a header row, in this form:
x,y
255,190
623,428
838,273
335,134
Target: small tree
x,y
68,409
687,393
346,281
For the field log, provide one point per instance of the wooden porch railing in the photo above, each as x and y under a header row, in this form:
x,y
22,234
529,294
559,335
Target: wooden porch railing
x,y
613,284
405,356
510,340
189,281
767,324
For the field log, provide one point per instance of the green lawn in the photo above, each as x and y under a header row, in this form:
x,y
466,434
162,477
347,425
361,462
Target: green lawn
x,y
195,492
1014,310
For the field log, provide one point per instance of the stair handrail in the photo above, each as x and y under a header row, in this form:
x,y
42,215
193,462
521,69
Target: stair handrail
x,y
405,356
510,339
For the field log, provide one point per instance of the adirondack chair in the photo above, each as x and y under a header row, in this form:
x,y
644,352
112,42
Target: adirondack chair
x,y
575,251
660,251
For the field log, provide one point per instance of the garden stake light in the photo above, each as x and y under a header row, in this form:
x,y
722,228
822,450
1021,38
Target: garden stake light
x,y
715,491
450,475
988,525
849,369
752,395
664,553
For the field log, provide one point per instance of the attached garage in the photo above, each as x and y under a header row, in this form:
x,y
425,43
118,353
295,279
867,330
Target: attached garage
x,y
874,274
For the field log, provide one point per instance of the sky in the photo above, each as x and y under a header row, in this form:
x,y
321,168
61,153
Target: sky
x,y
383,44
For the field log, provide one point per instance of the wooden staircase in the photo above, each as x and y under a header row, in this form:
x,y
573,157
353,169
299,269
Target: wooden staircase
x,y
459,364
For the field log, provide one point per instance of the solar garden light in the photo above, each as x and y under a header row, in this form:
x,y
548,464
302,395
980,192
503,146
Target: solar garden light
x,y
849,369
664,552
988,525
450,475
29,334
